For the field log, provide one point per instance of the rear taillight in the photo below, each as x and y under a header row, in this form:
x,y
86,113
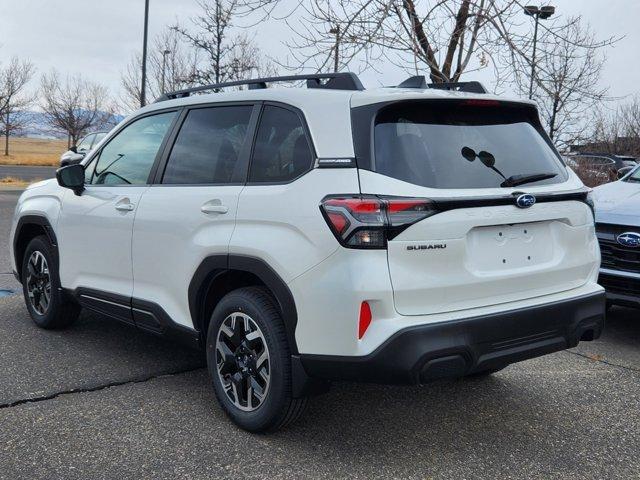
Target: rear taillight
x,y
369,221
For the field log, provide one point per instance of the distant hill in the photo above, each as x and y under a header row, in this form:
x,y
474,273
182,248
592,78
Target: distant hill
x,y
37,126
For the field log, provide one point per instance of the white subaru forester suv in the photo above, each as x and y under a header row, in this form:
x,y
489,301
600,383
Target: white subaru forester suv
x,y
305,235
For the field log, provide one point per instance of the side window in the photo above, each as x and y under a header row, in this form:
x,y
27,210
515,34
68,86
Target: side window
x,y
85,143
282,152
96,139
127,159
208,146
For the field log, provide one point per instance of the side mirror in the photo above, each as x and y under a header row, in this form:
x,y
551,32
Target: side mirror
x,y
624,171
74,148
72,177
71,159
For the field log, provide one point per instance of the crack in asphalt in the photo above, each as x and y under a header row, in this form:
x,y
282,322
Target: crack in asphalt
x,y
96,388
601,360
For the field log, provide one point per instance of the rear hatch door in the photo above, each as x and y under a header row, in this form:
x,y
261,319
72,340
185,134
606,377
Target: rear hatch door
x,y
483,246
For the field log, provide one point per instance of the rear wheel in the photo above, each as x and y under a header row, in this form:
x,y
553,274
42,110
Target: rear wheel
x,y
41,287
250,363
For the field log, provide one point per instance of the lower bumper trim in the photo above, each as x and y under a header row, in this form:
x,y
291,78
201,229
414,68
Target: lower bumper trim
x,y
461,347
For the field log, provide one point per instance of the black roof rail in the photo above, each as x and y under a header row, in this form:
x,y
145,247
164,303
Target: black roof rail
x,y
419,81
334,81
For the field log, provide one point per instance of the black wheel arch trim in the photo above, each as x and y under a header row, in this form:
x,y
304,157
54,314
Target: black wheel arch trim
x,y
213,266
41,221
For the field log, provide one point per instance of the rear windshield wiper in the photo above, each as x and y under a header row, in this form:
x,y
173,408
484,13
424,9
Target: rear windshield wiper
x,y
515,180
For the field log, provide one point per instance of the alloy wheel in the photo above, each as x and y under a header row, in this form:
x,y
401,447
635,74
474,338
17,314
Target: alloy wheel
x,y
38,283
243,362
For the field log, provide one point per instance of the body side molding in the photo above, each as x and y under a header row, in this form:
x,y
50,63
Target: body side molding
x,y
145,315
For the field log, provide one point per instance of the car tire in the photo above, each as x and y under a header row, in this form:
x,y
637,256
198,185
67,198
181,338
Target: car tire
x,y
254,390
43,296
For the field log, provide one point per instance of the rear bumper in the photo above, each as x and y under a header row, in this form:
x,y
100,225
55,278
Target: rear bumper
x,y
457,348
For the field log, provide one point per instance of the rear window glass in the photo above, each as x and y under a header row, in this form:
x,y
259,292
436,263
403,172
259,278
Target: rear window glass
x,y
450,145
281,152
208,146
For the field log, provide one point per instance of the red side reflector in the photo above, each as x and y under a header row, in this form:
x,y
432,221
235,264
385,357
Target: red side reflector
x,y
365,319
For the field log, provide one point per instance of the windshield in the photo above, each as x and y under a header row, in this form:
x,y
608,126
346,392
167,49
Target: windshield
x,y
635,176
454,145
85,144
99,137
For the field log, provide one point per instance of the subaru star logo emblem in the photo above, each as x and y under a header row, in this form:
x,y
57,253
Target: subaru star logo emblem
x,y
525,201
629,239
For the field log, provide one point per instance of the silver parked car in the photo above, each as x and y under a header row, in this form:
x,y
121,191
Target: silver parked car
x,y
618,228
76,153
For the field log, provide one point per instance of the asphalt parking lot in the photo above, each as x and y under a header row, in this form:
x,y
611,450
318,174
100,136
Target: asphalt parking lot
x,y
27,173
102,400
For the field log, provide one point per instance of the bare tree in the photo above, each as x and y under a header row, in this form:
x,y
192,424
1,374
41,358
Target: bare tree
x,y
74,105
14,100
170,68
616,132
223,53
447,38
566,85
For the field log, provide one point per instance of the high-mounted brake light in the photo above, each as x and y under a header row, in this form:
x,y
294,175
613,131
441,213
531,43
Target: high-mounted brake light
x,y
368,221
479,102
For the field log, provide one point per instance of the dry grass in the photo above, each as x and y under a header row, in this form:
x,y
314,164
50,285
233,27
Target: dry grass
x,y
15,182
33,151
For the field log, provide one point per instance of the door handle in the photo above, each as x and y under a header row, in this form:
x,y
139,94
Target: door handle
x,y
125,207
210,207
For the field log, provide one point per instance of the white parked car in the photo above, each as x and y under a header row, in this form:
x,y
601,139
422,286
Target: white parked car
x,y
307,235
618,230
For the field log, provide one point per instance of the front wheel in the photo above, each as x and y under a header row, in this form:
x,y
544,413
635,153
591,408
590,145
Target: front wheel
x,y
41,287
250,362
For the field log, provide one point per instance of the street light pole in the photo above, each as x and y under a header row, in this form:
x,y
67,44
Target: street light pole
x,y
143,87
533,57
164,67
336,32
541,13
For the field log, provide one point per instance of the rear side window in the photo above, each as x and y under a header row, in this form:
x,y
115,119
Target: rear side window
x,y
208,146
453,145
282,152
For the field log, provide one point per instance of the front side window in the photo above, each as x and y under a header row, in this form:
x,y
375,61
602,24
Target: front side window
x,y
208,146
453,145
282,152
127,159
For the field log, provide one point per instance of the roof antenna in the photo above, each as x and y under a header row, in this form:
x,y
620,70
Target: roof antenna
x,y
417,81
